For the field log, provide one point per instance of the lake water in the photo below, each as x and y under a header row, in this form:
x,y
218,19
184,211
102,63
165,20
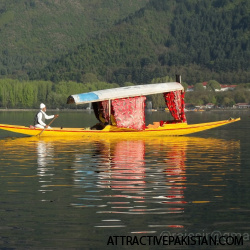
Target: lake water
x,y
81,194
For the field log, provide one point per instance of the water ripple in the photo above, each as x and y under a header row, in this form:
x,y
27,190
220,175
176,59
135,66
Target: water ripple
x,y
156,177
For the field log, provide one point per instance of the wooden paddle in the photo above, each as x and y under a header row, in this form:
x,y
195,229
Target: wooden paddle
x,y
48,126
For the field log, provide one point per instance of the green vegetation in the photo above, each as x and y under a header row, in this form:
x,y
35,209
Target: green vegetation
x,y
82,45
198,39
29,94
222,99
33,32
213,85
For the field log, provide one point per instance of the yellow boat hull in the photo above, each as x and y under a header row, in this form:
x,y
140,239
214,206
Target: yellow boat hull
x,y
165,130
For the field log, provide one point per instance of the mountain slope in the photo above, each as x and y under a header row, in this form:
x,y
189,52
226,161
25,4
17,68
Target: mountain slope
x,y
121,41
33,31
208,38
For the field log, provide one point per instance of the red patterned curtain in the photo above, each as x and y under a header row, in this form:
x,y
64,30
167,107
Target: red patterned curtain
x,y
175,103
129,112
101,110
105,110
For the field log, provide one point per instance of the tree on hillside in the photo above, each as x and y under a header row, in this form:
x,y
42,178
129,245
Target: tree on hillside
x,y
228,102
126,84
185,85
162,79
198,87
213,85
89,77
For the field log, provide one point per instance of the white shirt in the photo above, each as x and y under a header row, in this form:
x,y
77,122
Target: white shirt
x,y
39,117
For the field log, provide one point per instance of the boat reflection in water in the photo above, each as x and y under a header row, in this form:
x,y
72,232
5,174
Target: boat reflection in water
x,y
140,174
134,175
116,177
149,177
45,162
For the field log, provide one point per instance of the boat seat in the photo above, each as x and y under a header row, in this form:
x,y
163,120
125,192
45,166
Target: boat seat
x,y
154,125
170,122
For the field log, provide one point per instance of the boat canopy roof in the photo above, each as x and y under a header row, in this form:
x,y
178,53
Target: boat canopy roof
x,y
124,92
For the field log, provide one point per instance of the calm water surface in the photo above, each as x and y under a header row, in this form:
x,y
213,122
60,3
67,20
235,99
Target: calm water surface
x,y
74,194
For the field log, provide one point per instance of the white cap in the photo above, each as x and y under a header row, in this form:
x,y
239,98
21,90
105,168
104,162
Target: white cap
x,y
42,106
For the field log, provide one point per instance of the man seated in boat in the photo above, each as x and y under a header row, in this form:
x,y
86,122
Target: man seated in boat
x,y
41,116
103,123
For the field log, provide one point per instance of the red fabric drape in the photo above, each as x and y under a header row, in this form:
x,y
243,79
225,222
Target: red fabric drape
x,y
101,110
175,103
105,110
129,112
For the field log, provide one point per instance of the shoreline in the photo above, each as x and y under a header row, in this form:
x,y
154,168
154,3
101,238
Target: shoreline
x,y
56,110
91,110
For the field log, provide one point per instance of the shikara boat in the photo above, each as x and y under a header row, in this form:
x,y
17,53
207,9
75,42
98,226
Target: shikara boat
x,y
121,113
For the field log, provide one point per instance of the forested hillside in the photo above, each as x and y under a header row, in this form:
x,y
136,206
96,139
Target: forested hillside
x,y
32,32
125,41
201,40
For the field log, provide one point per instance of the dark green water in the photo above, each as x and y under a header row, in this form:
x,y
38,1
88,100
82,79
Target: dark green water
x,y
58,194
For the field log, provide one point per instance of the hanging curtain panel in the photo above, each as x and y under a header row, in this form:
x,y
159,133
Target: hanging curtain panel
x,y
101,110
105,110
129,112
175,103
